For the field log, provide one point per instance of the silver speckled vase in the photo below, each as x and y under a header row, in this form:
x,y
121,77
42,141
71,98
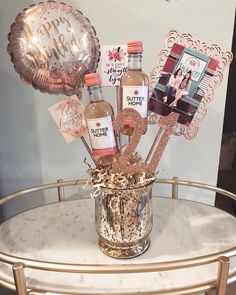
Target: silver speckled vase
x,y
124,220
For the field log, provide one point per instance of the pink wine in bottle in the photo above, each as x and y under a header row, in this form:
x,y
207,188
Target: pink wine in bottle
x,y
99,116
134,86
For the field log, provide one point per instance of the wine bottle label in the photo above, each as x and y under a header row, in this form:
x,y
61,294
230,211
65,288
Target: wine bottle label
x,y
136,97
101,135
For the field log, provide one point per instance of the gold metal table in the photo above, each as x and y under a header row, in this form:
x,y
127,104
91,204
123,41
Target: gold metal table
x,y
53,249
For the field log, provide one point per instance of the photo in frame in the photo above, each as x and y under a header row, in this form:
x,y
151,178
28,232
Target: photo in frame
x,y
184,80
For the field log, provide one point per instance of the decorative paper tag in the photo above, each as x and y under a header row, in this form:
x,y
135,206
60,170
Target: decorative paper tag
x,y
68,114
114,59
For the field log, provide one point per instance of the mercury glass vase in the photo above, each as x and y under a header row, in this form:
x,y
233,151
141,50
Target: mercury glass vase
x,y
124,220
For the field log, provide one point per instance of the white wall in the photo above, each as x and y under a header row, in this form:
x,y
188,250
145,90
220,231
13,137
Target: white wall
x,y
33,152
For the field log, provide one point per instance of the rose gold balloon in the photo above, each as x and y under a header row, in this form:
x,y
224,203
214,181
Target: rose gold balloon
x,y
52,45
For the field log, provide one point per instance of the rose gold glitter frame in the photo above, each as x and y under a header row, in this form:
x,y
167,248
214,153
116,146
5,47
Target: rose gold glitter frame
x,y
213,51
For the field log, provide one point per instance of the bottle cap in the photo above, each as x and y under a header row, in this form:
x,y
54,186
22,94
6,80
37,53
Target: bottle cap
x,y
92,79
135,47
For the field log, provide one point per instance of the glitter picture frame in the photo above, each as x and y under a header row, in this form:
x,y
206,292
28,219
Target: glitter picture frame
x,y
181,49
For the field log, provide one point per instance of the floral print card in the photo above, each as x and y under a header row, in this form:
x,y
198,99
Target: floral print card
x,y
114,60
69,117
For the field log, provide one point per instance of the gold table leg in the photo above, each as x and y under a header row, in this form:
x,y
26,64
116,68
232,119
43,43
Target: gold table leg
x,y
19,278
61,191
175,188
223,272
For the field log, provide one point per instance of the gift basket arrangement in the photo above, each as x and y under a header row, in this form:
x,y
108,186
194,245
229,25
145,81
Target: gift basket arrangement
x,y
54,48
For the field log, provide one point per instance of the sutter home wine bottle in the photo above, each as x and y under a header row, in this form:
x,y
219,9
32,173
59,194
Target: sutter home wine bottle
x,y
134,86
99,115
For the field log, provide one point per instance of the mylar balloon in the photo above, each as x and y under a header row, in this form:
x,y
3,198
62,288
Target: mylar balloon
x,y
52,45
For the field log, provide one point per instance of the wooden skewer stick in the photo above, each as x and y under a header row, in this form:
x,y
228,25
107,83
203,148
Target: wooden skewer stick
x,y
118,108
167,124
87,148
154,144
